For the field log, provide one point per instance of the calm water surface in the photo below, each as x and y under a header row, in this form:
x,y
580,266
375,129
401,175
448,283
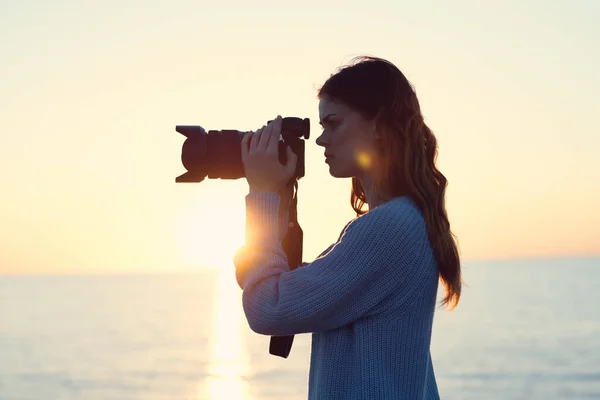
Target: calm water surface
x,y
523,330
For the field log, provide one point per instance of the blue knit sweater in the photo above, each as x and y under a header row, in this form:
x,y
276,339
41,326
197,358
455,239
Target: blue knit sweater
x,y
368,300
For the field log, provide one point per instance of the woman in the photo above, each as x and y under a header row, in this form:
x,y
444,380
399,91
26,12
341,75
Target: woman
x,y
369,300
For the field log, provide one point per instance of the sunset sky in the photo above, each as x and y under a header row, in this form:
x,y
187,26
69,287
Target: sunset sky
x,y
91,92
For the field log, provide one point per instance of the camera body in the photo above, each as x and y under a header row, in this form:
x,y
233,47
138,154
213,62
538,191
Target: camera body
x,y
218,154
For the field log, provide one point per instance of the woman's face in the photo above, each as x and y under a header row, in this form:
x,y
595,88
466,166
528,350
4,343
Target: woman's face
x,y
349,140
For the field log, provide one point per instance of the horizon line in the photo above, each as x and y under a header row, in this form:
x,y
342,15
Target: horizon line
x,y
205,269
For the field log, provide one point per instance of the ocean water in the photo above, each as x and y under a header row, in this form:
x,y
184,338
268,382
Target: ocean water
x,y
523,330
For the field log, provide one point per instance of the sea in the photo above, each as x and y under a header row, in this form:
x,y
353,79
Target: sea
x,y
526,329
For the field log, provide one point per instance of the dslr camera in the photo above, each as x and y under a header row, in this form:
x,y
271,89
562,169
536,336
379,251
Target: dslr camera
x,y
218,154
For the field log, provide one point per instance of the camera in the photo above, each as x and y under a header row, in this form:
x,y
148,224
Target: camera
x,y
218,154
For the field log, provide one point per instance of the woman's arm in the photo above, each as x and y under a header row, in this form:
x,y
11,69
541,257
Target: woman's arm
x,y
382,252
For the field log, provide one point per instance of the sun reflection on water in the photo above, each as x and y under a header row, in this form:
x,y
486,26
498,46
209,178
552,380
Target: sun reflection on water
x,y
229,359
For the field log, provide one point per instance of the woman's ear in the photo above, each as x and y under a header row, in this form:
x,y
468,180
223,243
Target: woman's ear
x,y
377,128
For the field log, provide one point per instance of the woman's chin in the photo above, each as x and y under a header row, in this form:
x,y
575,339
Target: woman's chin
x,y
337,173
332,172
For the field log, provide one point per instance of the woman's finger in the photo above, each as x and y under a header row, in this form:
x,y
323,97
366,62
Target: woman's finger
x,y
273,143
265,136
255,138
244,144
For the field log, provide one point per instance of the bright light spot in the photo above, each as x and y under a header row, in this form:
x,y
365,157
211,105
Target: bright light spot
x,y
211,236
364,160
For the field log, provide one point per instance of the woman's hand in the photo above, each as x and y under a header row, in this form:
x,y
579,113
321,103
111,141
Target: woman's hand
x,y
260,156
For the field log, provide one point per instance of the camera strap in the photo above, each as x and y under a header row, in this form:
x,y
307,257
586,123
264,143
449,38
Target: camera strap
x,y
292,246
292,241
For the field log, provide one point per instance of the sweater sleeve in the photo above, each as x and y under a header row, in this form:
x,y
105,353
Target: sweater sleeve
x,y
378,254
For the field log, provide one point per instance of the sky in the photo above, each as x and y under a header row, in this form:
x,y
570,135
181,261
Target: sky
x,y
91,92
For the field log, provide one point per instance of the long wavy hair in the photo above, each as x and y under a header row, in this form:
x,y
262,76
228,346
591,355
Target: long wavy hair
x,y
378,90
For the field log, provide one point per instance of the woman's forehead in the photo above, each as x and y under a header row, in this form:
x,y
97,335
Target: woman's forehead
x,y
328,106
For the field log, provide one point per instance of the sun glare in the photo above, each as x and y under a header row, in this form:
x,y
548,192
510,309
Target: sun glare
x,y
210,237
364,159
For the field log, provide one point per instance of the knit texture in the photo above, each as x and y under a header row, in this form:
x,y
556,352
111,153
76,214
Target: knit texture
x,y
368,300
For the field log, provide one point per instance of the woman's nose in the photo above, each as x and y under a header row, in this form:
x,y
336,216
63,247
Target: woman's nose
x,y
321,140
